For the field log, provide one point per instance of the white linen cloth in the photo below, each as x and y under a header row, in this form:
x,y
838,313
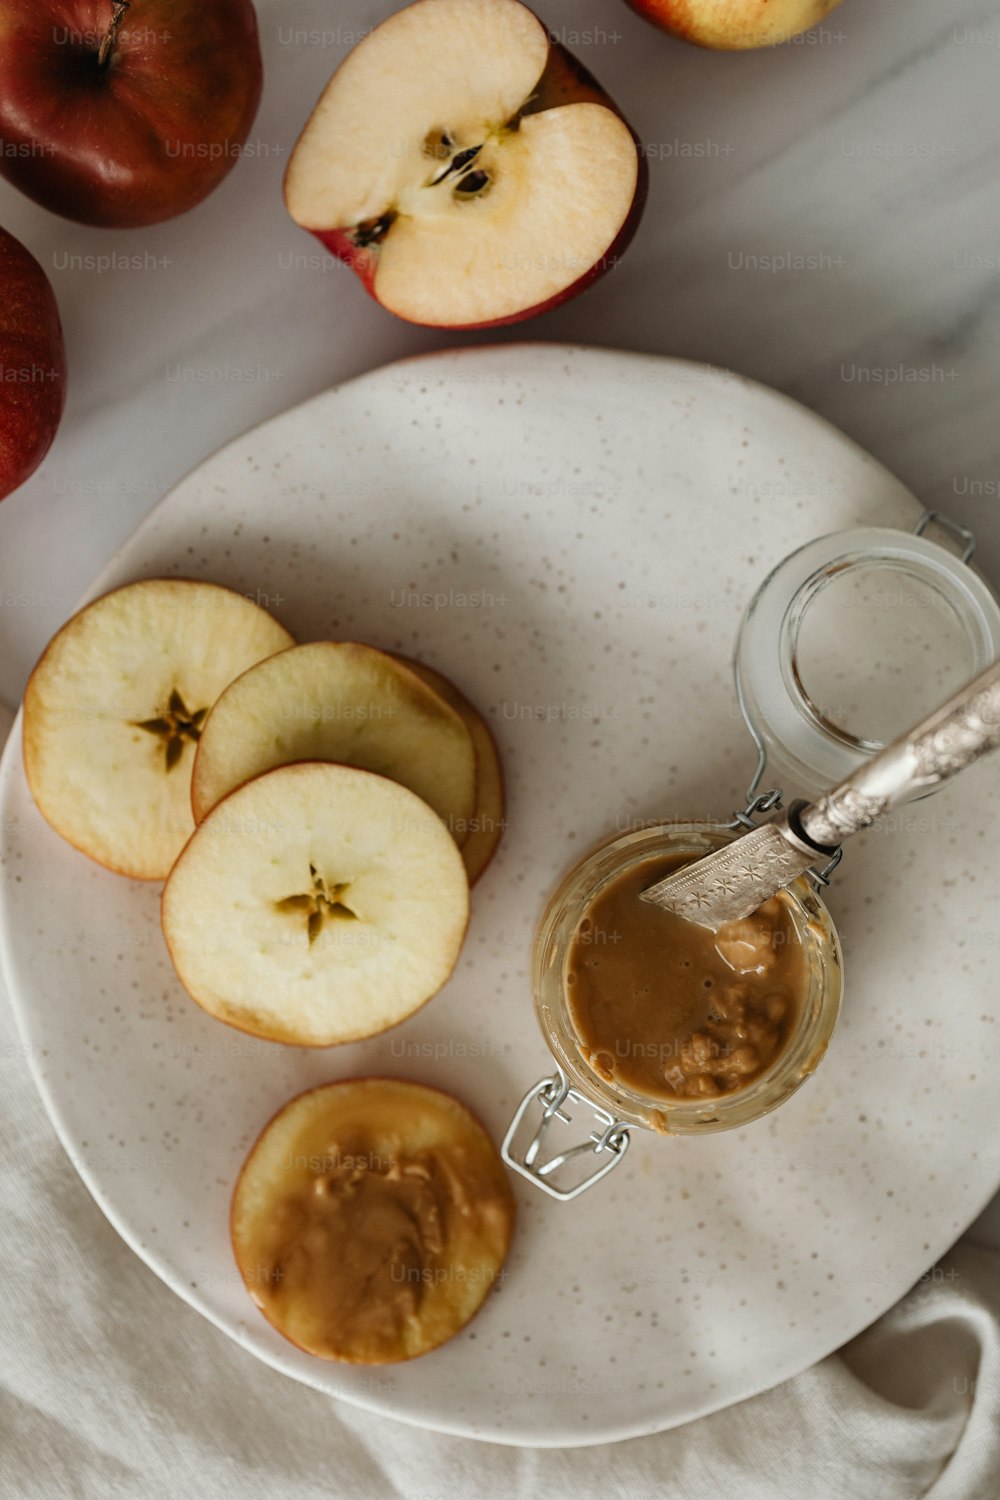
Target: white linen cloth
x,y
111,1388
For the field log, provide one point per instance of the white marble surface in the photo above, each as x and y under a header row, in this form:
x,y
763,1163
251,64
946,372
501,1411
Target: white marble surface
x,y
866,155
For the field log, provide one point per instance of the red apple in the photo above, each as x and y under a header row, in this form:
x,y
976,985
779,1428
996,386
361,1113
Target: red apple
x,y
467,167
32,364
735,25
123,115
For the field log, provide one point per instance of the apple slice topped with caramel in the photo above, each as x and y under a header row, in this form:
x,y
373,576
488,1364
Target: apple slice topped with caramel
x,y
371,1219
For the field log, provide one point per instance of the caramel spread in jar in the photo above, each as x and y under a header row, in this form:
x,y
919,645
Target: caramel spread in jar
x,y
371,1220
671,1010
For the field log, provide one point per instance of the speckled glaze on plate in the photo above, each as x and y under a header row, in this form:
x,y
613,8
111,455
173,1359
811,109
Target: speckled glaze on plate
x,y
570,535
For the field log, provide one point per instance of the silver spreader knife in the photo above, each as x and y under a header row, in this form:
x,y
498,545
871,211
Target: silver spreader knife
x,y
734,881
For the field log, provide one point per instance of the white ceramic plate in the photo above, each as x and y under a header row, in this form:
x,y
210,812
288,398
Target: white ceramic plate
x,y
571,535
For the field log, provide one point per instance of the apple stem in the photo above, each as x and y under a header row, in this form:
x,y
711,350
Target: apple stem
x,y
118,9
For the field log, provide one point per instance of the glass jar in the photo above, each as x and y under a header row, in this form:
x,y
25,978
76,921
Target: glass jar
x,y
577,1087
803,1049
847,643
850,641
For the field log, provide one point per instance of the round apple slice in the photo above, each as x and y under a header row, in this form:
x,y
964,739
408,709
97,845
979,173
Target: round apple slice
x,y
486,826
466,167
114,708
371,1219
316,904
338,701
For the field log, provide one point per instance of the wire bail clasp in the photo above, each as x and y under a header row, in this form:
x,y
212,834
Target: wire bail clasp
x,y
955,529
553,1094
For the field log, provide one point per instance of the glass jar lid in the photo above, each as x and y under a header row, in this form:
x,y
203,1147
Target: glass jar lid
x,y
851,640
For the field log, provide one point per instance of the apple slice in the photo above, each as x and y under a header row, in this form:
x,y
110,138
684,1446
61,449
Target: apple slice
x,y
115,706
486,826
338,701
371,1219
467,167
316,904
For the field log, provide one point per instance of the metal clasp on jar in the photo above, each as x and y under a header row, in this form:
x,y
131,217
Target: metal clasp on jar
x,y
553,1094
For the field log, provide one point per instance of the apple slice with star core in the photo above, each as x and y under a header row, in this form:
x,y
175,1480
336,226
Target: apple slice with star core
x,y
316,904
115,706
467,167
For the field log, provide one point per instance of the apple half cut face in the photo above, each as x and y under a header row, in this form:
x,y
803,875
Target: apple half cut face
x,y
316,904
115,707
371,1220
338,701
466,167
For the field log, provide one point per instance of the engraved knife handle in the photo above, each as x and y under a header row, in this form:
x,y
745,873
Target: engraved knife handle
x,y
935,750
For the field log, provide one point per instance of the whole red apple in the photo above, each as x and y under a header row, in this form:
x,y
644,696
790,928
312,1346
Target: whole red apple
x,y
32,364
467,167
735,25
125,114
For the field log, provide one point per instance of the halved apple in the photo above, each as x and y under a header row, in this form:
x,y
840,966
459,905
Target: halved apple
x,y
371,1219
467,167
338,701
115,706
486,826
316,904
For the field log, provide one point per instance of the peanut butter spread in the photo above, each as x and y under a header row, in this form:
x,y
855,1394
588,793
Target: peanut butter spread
x,y
371,1220
671,1010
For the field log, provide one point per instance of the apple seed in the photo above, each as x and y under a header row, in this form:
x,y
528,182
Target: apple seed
x,y
458,163
438,144
373,231
472,184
